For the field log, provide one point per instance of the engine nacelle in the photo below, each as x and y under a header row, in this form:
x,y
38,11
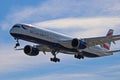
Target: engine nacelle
x,y
78,44
31,51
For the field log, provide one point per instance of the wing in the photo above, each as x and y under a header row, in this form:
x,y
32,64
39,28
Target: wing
x,y
40,47
100,40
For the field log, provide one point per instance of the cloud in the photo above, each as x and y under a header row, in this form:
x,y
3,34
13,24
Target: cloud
x,y
49,11
82,26
73,76
67,77
113,8
83,22
91,72
12,61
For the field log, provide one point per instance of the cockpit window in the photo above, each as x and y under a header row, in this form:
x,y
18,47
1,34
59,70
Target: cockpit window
x,y
24,27
16,26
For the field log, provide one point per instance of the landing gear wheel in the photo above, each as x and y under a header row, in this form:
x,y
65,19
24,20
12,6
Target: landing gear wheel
x,y
54,59
82,57
79,56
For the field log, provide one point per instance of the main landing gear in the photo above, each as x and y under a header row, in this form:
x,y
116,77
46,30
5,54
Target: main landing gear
x,y
78,56
54,59
17,43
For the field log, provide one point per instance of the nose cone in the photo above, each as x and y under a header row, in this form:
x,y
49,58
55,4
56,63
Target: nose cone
x,y
11,31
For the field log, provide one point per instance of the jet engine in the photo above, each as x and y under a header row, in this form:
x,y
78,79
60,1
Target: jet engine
x,y
78,44
31,51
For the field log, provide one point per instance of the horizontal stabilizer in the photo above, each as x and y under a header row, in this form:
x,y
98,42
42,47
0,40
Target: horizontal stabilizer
x,y
114,51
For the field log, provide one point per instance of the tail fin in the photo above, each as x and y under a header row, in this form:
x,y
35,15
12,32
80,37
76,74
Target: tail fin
x,y
107,45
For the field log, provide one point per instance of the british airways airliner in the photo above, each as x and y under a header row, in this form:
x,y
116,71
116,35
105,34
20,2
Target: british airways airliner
x,y
50,41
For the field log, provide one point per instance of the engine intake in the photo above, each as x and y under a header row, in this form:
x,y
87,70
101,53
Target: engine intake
x,y
31,51
78,44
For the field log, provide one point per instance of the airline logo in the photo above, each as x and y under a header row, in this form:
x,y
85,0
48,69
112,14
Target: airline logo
x,y
107,45
110,32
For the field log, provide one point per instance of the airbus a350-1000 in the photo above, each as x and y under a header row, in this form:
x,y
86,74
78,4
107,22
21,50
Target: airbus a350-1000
x,y
53,42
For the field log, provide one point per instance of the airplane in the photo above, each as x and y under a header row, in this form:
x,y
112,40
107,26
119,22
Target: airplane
x,y
53,42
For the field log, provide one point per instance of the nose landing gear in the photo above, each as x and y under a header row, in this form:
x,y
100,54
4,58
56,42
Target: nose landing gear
x,y
17,43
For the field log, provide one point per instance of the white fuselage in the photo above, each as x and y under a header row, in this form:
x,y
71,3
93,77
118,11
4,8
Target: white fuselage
x,y
50,38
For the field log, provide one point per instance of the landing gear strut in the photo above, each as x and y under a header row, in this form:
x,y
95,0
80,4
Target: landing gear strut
x,y
17,43
54,59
